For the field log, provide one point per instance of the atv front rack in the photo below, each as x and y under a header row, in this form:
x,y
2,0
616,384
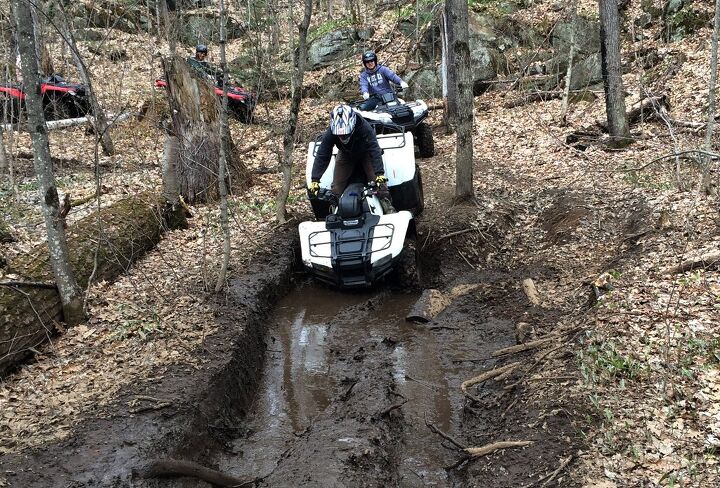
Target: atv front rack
x,y
351,244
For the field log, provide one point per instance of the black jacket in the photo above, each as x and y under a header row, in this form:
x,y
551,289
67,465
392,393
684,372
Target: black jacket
x,y
362,142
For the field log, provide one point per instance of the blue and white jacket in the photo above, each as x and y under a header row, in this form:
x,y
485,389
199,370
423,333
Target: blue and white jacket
x,y
378,80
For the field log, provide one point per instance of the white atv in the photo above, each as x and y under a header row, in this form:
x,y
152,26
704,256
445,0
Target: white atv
x,y
393,113
357,243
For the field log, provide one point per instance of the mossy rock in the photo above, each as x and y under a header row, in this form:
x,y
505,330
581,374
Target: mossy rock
x,y
684,23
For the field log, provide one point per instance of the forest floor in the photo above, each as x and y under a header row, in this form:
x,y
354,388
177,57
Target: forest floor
x,y
622,389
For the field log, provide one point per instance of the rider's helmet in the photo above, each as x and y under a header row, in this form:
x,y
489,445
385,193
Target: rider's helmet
x,y
369,56
342,122
201,48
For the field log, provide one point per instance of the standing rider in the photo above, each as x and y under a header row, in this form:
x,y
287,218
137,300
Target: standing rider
x,y
375,81
357,144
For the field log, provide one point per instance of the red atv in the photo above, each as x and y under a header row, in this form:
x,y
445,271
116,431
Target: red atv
x,y
61,99
240,101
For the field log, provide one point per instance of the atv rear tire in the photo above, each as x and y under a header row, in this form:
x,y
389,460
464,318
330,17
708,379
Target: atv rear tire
x,y
420,194
407,270
425,143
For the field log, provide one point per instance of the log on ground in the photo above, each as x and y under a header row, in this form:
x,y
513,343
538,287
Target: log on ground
x,y
29,313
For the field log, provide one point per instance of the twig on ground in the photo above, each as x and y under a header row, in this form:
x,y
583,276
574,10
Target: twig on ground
x,y
476,452
563,465
706,261
29,284
391,408
447,437
484,377
522,347
453,234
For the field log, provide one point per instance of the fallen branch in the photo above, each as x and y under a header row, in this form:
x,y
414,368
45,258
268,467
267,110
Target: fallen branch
x,y
446,436
29,284
65,123
79,201
477,452
563,465
177,467
391,408
707,261
522,347
487,375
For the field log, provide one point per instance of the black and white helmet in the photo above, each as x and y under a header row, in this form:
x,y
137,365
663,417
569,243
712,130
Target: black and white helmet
x,y
342,121
369,56
201,48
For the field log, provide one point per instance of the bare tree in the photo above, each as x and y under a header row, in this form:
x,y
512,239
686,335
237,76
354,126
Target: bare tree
x,y
225,131
571,61
99,121
70,293
289,138
458,48
449,82
612,73
713,78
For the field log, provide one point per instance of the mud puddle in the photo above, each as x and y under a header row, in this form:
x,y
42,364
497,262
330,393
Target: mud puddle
x,y
347,389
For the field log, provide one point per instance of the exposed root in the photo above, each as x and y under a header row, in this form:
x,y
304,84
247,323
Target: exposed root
x,y
178,467
484,377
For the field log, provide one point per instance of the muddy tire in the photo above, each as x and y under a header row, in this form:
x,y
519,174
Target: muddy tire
x,y
420,206
406,275
425,143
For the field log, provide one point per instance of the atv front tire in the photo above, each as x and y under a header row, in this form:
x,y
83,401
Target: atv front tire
x,y
407,270
425,143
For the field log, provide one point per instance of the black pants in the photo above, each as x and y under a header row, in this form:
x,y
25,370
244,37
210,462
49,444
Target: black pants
x,y
344,166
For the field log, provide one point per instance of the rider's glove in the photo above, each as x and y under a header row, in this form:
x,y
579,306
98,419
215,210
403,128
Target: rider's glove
x,y
404,85
366,95
314,188
381,188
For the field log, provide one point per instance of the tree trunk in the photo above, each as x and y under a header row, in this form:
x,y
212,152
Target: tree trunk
x,y
612,73
70,293
100,125
174,210
571,62
713,78
449,81
456,13
28,314
289,137
196,125
225,131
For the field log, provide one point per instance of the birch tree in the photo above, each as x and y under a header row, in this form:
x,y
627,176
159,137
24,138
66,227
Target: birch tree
x,y
612,73
289,138
70,294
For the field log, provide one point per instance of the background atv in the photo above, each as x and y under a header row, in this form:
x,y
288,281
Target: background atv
x,y
241,102
61,99
393,112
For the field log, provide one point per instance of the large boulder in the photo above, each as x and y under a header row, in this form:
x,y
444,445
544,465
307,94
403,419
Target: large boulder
x,y
202,26
586,72
335,45
587,36
681,20
424,83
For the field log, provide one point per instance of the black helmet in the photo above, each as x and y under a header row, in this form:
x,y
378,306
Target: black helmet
x,y
201,48
369,56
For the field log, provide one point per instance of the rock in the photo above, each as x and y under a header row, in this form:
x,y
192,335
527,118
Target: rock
x,y
88,34
684,23
644,20
586,72
673,6
524,332
202,26
587,36
337,44
424,83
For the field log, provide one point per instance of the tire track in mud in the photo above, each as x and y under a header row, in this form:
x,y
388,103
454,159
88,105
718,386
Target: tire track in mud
x,y
349,386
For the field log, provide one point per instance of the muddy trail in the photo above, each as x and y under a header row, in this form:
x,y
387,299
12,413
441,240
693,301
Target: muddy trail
x,y
353,394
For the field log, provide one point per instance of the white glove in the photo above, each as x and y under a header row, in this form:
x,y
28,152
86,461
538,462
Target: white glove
x,y
366,95
404,85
